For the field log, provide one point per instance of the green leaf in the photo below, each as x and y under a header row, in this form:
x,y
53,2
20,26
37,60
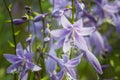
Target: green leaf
x,y
17,33
35,13
11,44
10,7
8,21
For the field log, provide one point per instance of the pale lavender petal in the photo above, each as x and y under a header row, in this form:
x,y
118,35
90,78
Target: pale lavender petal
x,y
59,43
94,62
78,24
80,42
86,31
75,61
72,72
98,41
65,23
50,63
11,58
66,45
14,66
111,8
25,76
19,51
59,33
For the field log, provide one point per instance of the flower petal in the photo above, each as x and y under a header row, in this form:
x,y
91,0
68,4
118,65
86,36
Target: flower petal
x,y
50,63
11,58
86,31
60,75
59,43
78,24
66,45
19,51
59,33
97,39
65,58
111,8
33,67
14,67
72,72
75,61
94,62
80,42
65,23
29,56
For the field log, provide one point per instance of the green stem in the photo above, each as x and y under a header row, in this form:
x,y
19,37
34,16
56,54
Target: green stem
x,y
12,25
41,56
73,10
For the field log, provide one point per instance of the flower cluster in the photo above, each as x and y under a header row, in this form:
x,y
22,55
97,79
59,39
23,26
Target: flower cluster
x,y
77,37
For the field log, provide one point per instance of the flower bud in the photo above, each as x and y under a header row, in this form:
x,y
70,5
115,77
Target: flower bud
x,y
18,21
40,17
57,13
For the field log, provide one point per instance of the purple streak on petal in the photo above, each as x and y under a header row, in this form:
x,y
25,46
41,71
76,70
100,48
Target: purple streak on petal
x,y
94,62
25,76
29,56
75,61
59,33
11,58
14,66
71,72
19,51
60,75
98,41
65,23
66,45
80,42
86,31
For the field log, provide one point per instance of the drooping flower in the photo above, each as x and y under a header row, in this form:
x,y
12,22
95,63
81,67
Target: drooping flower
x,y
21,62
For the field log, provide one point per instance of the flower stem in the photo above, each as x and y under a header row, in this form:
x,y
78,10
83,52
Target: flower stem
x,y
73,10
41,56
12,25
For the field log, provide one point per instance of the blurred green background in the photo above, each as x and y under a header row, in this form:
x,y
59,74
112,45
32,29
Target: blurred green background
x,y
85,70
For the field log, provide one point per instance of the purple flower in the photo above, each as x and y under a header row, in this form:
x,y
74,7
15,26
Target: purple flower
x,y
67,66
21,62
105,9
70,33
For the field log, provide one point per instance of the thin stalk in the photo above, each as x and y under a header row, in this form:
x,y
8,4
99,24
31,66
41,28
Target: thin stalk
x,y
12,25
41,56
73,11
